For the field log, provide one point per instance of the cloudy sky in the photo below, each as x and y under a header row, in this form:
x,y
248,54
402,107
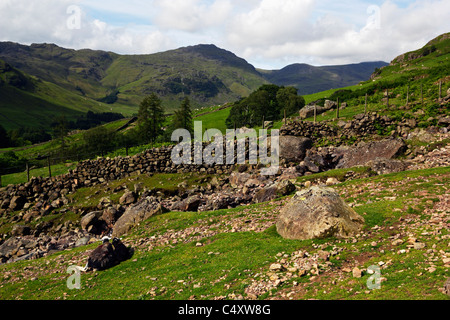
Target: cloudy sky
x,y
269,34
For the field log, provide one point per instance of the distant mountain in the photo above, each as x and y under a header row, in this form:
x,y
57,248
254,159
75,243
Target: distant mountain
x,y
205,73
46,80
309,79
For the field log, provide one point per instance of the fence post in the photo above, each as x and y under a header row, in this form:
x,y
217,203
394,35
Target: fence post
x,y
421,93
49,167
1,181
315,113
387,101
440,89
337,109
285,120
28,172
407,95
365,105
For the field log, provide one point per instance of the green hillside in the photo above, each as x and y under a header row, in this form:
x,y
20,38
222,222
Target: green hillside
x,y
26,101
207,74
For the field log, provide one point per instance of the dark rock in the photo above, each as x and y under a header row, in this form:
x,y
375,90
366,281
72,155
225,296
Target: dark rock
x,y
266,194
17,203
91,219
20,230
293,149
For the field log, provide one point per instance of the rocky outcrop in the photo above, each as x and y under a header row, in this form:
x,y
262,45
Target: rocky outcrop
x,y
137,213
365,152
317,213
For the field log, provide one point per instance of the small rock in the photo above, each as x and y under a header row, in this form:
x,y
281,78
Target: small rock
x,y
276,267
357,273
419,245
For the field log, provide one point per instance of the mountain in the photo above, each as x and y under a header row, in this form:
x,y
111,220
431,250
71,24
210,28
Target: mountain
x,y
207,74
309,79
26,101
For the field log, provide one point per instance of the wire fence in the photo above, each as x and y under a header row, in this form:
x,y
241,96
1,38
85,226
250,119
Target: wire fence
x,y
42,165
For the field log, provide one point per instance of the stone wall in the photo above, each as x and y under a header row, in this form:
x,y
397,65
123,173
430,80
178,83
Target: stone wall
x,y
360,127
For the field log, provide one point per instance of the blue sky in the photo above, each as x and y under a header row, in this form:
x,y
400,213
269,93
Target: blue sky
x,y
268,33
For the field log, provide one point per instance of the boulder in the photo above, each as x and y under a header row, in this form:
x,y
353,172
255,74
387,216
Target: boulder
x,y
365,152
293,149
91,219
285,187
266,194
384,166
317,213
17,203
129,197
137,213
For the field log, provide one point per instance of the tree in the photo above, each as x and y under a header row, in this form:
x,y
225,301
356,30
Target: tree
x,y
150,118
99,140
5,141
289,101
61,129
183,117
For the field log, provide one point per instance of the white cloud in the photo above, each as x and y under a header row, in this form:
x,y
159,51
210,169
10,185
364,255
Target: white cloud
x,y
268,33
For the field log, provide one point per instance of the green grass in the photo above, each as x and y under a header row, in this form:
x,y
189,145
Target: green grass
x,y
227,262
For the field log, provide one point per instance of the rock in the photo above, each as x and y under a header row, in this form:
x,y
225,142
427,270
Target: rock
x,y
285,187
128,198
110,216
137,213
293,149
419,245
447,287
17,203
189,204
332,181
317,213
276,267
82,241
91,219
20,230
266,194
238,180
385,166
357,273
365,152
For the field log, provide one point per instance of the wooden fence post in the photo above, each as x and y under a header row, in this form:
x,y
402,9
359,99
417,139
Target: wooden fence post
x,y
387,101
337,109
315,113
421,93
365,105
28,172
407,95
440,90
49,167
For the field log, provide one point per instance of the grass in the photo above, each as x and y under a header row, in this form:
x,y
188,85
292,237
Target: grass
x,y
228,262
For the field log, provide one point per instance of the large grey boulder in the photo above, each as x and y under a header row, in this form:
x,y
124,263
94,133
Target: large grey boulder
x,y
317,213
365,152
137,213
293,149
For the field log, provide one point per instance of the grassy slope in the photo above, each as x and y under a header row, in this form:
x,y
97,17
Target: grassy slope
x,y
229,261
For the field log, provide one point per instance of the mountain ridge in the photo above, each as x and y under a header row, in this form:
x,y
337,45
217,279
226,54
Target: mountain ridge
x,y
207,74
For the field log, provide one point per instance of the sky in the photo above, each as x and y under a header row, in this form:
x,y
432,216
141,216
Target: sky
x,y
270,34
